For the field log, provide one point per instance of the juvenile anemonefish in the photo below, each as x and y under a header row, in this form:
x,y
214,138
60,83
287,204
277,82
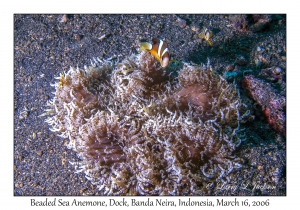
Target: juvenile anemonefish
x,y
206,35
158,49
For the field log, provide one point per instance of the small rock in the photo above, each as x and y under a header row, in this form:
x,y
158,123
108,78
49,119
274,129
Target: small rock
x,y
101,37
77,37
181,22
64,19
195,28
229,68
63,161
39,152
239,22
279,50
261,21
272,74
241,60
277,70
257,63
259,48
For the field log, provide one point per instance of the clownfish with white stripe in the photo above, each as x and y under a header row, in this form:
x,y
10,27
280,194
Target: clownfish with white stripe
x,y
158,49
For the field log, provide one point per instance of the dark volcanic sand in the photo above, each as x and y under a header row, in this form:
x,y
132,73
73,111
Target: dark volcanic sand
x,y
46,45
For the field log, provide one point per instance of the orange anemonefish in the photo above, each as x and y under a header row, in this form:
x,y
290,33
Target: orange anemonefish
x,y
158,49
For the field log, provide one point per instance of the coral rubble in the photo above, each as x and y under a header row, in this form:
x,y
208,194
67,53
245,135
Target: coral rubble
x,y
272,104
141,131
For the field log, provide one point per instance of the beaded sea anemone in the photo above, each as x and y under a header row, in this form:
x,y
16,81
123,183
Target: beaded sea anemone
x,y
139,130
